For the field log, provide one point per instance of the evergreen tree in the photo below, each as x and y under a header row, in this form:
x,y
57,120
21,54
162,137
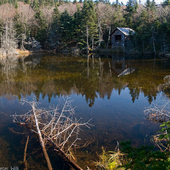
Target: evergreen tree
x,y
56,14
131,8
166,3
18,25
41,34
35,5
66,27
153,5
16,4
117,2
89,18
148,4
52,41
27,1
77,24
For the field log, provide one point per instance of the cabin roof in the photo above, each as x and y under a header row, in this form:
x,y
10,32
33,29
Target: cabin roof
x,y
124,30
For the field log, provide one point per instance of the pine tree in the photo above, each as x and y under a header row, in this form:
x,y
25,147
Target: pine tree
x,y
89,18
53,36
132,6
153,5
77,24
166,3
27,1
66,27
16,4
42,31
56,13
35,5
148,4
117,2
18,25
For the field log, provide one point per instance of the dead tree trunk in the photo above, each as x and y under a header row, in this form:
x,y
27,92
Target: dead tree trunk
x,y
92,42
153,40
22,42
108,38
88,65
55,127
41,139
25,154
87,32
8,40
99,32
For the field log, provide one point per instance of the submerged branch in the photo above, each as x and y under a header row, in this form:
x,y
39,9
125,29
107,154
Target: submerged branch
x,y
57,127
158,112
25,153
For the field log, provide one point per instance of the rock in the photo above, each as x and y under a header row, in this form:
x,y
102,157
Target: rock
x,y
32,44
75,50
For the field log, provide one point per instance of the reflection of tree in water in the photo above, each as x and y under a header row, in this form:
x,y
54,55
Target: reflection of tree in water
x,y
134,93
10,72
159,112
165,87
8,66
90,77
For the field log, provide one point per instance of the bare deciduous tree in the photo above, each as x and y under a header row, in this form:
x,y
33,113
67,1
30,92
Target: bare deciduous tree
x,y
8,39
60,128
70,7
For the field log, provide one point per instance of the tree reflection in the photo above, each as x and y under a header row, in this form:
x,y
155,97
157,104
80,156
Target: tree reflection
x,y
91,76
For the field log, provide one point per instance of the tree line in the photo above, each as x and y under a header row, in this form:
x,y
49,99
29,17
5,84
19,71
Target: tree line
x,y
64,25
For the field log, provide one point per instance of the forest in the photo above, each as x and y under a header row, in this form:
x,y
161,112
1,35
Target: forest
x,y
57,25
62,25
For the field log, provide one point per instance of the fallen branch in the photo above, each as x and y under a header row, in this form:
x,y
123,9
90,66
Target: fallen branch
x,y
158,112
41,138
25,154
59,128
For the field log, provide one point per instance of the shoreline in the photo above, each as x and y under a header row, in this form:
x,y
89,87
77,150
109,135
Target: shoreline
x,y
20,53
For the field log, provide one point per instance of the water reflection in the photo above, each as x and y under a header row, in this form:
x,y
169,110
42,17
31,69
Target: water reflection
x,y
120,66
90,77
115,103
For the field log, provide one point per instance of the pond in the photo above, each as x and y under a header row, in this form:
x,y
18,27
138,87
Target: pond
x,y
111,90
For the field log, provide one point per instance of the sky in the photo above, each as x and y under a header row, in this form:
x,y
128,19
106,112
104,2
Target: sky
x,y
142,1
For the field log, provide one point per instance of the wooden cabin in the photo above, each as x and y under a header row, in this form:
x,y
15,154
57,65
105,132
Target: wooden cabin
x,y
119,36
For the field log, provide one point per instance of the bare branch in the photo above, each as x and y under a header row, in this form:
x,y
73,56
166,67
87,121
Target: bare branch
x,y
158,112
60,128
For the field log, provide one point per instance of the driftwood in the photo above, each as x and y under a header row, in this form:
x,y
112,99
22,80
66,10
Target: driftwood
x,y
158,112
25,154
41,138
55,127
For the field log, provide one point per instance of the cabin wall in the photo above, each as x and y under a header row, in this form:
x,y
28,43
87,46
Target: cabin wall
x,y
117,43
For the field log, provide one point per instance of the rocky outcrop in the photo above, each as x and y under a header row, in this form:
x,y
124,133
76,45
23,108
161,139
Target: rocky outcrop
x,y
32,44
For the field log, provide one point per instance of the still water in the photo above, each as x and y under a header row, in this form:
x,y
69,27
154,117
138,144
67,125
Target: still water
x,y
100,91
